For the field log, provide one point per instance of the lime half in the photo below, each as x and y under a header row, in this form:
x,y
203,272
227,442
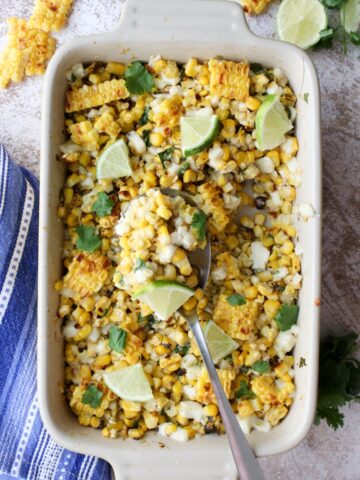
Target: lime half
x,y
114,161
129,383
164,296
198,133
300,21
350,15
271,123
219,343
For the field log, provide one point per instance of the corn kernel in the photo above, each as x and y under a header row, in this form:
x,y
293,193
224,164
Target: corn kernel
x,y
211,410
156,139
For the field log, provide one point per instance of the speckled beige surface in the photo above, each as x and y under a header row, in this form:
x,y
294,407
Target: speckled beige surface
x,y
324,455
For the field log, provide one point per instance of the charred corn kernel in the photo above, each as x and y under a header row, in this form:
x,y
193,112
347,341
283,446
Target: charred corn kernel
x,y
290,231
102,361
182,420
192,281
83,333
281,369
68,195
189,176
271,307
166,180
84,420
190,304
190,431
162,350
170,429
259,219
95,422
150,178
190,68
232,241
156,139
115,68
264,276
71,220
288,247
163,212
245,408
251,293
246,221
58,285
267,241
84,318
178,256
275,157
135,433
204,80
211,410
252,103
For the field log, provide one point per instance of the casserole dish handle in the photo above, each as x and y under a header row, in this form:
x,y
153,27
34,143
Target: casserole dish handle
x,y
172,21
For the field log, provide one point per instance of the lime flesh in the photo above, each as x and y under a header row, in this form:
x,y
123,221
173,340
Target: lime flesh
x,y
129,383
114,161
271,123
198,133
219,343
164,296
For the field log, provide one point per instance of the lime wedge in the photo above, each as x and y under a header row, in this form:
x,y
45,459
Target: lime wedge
x,y
300,21
219,343
350,15
114,161
164,296
271,123
129,383
198,133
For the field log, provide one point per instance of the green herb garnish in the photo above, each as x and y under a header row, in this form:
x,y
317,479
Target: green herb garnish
x,y
326,37
302,362
103,205
306,97
139,264
138,79
183,167
354,38
286,317
92,396
244,392
146,137
146,321
261,366
182,349
199,224
165,155
88,239
236,300
145,116
339,378
337,4
117,338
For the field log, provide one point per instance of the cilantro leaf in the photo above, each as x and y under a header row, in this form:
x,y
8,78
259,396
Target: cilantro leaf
x,y
103,205
339,378
145,116
92,396
140,263
183,167
88,239
354,38
146,137
199,224
117,338
182,349
286,317
302,362
165,155
261,366
235,300
147,321
337,4
138,79
244,392
326,37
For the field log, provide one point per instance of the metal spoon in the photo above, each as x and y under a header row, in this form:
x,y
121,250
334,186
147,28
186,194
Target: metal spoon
x,y
246,463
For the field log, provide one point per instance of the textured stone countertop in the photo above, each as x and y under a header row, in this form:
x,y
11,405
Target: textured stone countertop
x,y
324,454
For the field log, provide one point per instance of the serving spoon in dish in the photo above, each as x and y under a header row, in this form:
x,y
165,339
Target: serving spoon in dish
x,y
246,463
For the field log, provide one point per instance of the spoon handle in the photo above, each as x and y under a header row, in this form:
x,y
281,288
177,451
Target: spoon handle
x,y
246,463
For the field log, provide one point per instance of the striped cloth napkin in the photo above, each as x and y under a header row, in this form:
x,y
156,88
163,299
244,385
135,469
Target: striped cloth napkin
x,y
26,449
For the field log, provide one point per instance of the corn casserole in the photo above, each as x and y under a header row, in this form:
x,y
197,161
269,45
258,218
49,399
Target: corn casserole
x,y
112,246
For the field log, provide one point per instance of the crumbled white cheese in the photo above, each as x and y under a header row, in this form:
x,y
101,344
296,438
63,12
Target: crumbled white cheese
x,y
306,210
191,410
193,373
265,164
188,360
259,256
279,274
189,392
285,341
69,329
180,435
218,274
69,147
299,249
136,143
166,253
201,112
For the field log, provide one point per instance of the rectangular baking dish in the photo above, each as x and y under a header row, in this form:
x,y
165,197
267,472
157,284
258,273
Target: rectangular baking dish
x,y
176,30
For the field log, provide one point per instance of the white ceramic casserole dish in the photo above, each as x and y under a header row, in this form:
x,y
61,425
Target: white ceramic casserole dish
x,y
177,30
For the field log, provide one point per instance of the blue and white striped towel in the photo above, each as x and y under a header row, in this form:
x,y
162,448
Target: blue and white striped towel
x,y
26,449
